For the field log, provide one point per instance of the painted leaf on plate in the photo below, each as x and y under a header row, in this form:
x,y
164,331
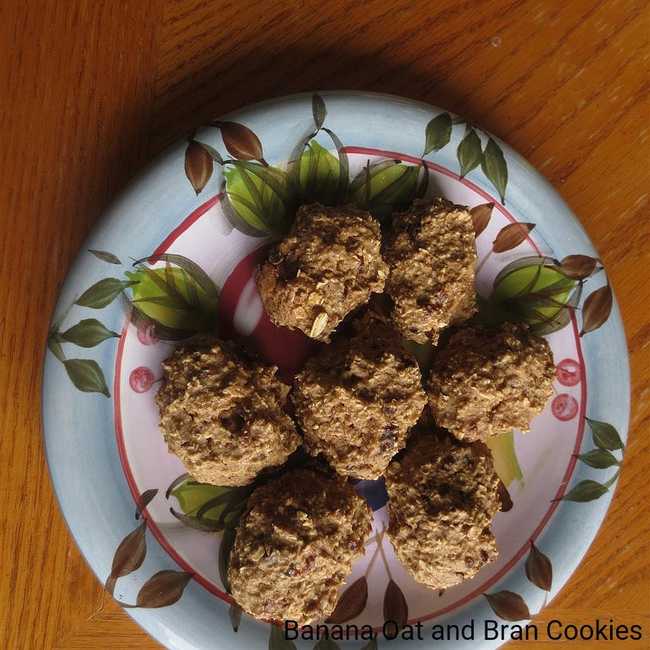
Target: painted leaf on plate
x,y
511,236
578,267
598,458
105,256
234,613
596,310
178,299
129,556
259,199
438,133
54,346
586,490
198,165
494,166
351,603
534,290
505,457
240,141
318,109
87,376
481,215
225,549
318,175
539,569
508,605
469,152
103,293
163,589
385,186
277,640
88,333
327,644
371,645
144,500
605,435
396,608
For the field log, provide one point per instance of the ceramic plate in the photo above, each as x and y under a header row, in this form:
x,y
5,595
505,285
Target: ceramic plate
x,y
175,255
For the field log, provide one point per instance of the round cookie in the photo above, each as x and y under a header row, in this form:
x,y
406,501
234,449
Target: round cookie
x,y
490,381
295,545
443,495
328,265
431,257
222,414
357,399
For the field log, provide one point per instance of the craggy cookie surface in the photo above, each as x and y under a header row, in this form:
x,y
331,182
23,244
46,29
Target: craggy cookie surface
x,y
328,265
443,497
490,381
222,414
357,399
431,256
295,546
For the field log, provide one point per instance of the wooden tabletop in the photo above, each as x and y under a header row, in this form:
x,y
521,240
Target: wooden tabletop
x,y
92,90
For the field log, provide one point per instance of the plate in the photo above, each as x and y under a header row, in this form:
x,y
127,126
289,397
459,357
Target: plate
x,y
175,254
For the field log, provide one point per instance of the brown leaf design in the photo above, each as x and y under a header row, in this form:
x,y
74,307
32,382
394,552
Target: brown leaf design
x,y
128,556
240,141
145,499
481,217
198,166
578,267
351,603
596,309
511,236
163,588
234,612
539,569
504,497
508,605
395,608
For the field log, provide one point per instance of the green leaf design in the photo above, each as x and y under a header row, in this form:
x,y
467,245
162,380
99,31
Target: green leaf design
x,y
344,165
438,133
210,508
371,645
584,491
103,293
54,345
534,290
86,375
494,166
318,175
260,198
385,187
599,458
505,459
318,110
469,152
179,299
105,256
605,435
277,640
88,333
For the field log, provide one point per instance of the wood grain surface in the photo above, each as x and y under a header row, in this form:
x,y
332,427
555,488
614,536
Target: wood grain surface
x,y
90,91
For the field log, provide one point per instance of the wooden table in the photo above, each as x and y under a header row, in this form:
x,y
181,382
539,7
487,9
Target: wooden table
x,y
92,90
